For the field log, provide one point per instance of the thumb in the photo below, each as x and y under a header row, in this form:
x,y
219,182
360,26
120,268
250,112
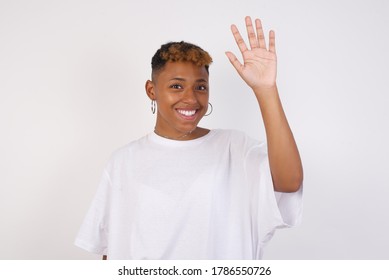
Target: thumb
x,y
234,61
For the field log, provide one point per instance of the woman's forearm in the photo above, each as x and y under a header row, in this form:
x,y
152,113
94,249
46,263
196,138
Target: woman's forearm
x,y
284,158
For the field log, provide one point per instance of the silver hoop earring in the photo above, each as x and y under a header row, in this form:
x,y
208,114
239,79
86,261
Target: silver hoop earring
x,y
153,106
211,110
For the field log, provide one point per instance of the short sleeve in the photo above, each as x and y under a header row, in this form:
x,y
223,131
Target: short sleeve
x,y
270,210
93,234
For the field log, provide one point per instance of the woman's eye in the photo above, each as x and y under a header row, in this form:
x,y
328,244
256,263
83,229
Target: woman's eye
x,y
176,86
202,88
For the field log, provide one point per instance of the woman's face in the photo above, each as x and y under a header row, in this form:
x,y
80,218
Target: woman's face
x,y
181,93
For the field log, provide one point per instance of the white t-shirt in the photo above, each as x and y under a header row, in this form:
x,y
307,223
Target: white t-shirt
x,y
207,198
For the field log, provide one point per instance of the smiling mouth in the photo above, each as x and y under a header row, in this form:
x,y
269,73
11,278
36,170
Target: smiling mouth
x,y
187,113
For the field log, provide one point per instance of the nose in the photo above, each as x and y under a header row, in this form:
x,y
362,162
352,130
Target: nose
x,y
190,96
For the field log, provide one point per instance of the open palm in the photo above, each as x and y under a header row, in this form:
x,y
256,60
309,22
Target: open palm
x,y
259,68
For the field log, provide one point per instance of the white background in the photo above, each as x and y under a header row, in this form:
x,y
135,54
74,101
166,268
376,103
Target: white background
x,y
72,79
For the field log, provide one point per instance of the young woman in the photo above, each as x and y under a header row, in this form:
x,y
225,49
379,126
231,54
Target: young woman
x,y
186,192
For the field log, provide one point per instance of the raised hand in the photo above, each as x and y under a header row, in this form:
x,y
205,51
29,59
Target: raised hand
x,y
259,68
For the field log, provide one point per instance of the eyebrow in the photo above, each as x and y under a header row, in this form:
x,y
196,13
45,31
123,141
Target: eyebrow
x,y
183,80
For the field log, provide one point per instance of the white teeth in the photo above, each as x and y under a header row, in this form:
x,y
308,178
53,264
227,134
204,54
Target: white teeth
x,y
187,113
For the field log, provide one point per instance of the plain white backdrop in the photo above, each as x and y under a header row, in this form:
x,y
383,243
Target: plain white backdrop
x,y
72,77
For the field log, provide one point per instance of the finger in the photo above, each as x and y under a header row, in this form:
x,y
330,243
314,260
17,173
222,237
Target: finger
x,y
272,41
251,34
260,35
234,61
238,39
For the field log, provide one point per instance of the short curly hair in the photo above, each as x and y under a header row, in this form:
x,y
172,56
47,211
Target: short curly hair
x,y
179,51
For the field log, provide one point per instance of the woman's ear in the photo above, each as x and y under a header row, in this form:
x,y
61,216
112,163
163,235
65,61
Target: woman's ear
x,y
149,86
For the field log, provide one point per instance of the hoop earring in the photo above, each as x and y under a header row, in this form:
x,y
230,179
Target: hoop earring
x,y
153,106
211,109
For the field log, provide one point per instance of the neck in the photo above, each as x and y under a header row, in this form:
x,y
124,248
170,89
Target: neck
x,y
193,134
181,137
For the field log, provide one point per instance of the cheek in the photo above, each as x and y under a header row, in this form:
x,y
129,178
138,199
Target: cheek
x,y
203,99
167,99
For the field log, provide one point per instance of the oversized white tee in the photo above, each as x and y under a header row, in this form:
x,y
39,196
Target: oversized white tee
x,y
207,198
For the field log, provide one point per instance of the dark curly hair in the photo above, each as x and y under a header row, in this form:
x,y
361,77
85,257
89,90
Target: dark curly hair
x,y
179,51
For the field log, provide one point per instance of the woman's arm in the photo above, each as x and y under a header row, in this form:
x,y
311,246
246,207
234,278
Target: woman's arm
x,y
259,71
284,158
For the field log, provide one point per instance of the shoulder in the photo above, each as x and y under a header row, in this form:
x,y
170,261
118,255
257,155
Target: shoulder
x,y
126,151
237,137
228,133
237,143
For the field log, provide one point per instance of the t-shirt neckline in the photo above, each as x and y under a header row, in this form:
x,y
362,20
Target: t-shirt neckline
x,y
178,143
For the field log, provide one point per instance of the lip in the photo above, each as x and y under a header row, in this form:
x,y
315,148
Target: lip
x,y
188,118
